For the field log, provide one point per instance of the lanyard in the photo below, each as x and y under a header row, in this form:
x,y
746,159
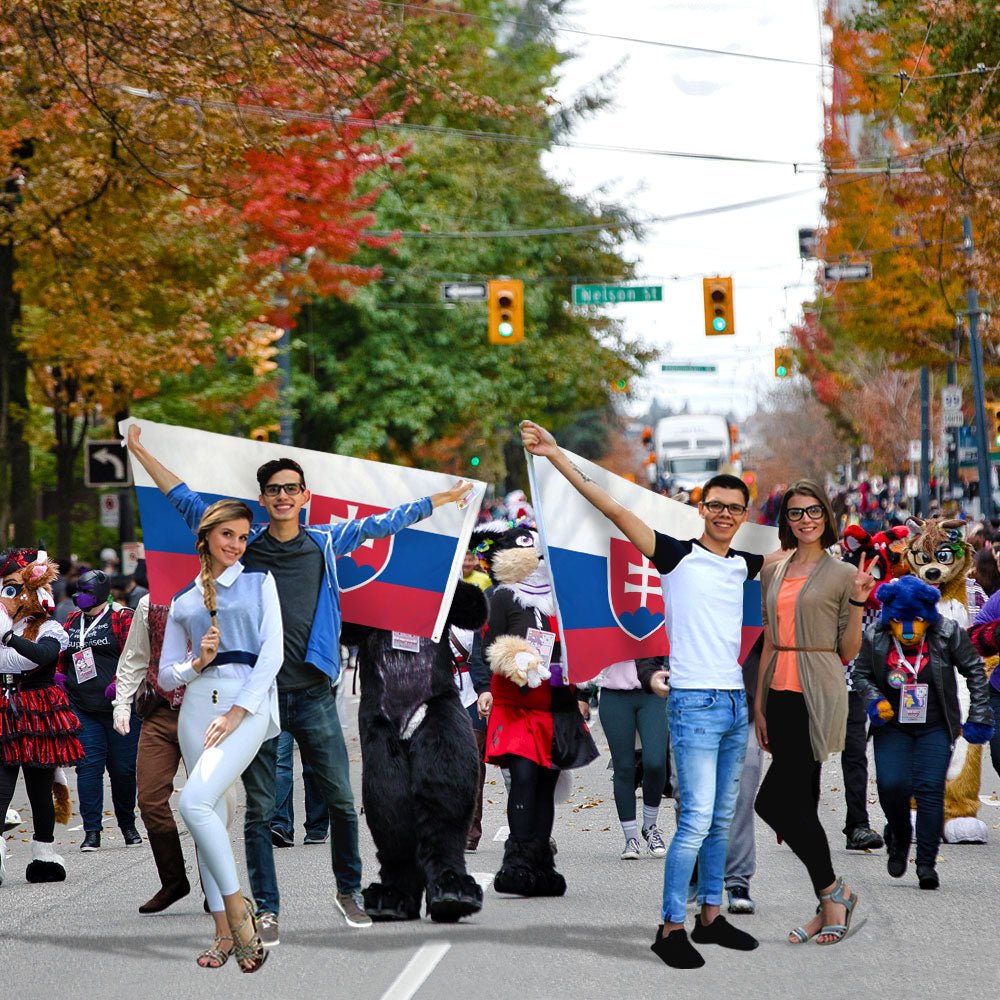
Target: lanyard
x,y
84,632
904,661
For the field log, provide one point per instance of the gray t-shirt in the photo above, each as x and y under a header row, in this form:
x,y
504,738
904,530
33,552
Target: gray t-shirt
x,y
297,568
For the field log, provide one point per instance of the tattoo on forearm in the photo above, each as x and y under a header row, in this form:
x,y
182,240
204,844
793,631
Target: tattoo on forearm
x,y
583,475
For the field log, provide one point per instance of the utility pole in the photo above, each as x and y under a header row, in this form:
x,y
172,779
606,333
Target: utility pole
x,y
978,381
925,440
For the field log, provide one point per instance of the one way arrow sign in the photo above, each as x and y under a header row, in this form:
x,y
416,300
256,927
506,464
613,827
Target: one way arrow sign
x,y
106,464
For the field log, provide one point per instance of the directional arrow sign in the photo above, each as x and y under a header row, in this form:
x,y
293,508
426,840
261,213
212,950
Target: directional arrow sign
x,y
464,291
106,464
848,272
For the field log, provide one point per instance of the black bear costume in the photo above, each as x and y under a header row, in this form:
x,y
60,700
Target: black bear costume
x,y
535,728
420,769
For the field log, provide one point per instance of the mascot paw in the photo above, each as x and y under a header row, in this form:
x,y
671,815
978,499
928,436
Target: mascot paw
x,y
45,864
966,830
977,732
514,658
453,896
386,902
879,711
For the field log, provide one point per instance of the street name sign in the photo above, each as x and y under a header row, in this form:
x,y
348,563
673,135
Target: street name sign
x,y
599,295
848,272
688,368
463,291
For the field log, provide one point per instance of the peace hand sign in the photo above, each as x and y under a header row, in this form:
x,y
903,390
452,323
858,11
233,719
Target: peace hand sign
x,y
864,582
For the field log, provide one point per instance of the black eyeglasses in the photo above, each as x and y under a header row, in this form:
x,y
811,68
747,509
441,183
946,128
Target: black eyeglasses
x,y
275,489
814,512
717,507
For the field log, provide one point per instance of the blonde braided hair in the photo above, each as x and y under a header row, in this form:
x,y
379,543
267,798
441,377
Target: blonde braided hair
x,y
218,513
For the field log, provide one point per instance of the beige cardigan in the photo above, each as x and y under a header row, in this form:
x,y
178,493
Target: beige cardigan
x,y
821,614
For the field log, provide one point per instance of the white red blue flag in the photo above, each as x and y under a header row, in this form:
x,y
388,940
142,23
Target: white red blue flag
x,y
608,595
403,583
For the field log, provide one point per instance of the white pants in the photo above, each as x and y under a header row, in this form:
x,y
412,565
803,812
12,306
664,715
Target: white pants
x,y
203,801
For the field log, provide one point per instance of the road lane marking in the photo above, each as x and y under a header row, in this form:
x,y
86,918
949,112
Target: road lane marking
x,y
416,971
483,879
73,829
502,834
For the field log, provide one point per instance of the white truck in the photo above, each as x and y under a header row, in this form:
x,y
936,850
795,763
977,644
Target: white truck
x,y
691,448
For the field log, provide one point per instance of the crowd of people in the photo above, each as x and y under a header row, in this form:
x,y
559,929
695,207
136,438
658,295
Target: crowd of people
x,y
246,661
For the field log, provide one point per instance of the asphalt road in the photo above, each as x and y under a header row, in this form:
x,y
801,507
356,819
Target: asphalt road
x,y
85,938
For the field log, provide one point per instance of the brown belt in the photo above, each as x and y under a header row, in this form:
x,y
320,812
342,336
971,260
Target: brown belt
x,y
802,649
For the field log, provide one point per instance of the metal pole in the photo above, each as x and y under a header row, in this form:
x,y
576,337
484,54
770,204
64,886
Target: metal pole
x,y
978,385
953,482
285,387
925,440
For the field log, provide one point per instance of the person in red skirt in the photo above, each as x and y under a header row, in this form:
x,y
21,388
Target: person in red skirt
x,y
535,728
37,727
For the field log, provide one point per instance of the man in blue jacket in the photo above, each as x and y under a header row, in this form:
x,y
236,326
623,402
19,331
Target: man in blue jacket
x,y
302,560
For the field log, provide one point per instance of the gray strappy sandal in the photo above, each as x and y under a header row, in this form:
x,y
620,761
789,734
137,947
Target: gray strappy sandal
x,y
838,931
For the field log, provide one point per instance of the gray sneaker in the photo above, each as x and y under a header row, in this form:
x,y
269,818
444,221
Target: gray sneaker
x,y
631,851
352,906
654,841
267,928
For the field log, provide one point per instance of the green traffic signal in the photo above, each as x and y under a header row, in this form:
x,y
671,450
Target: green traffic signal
x,y
719,324
505,329
474,461
781,371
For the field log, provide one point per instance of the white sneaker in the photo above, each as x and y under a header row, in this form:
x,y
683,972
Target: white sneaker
x,y
3,858
632,850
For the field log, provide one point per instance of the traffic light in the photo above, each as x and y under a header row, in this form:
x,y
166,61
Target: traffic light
x,y
782,362
992,424
718,293
474,461
506,309
620,385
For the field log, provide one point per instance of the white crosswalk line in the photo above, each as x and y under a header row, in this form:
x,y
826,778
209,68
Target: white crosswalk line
x,y
416,971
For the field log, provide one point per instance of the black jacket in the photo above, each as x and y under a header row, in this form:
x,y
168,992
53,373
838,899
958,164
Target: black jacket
x,y
950,649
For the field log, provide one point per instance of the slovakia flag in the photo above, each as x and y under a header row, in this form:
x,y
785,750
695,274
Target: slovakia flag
x,y
608,594
404,582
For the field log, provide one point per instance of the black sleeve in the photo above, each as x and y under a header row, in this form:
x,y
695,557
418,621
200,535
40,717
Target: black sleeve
x,y
668,552
478,670
754,563
43,652
646,666
499,615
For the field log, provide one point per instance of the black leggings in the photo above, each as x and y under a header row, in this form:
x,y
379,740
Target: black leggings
x,y
38,782
531,809
788,800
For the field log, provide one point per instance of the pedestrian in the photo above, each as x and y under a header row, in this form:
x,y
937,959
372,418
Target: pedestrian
x,y
630,706
38,731
232,617
302,560
702,581
96,633
127,591
811,606
317,821
138,692
985,634
907,674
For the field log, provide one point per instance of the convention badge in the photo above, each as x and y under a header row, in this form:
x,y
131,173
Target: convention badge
x,y
897,678
405,642
176,697
467,497
913,702
543,642
84,665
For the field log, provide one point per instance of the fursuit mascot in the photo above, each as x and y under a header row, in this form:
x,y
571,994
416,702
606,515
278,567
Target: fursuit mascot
x,y
535,729
37,726
906,673
937,554
420,768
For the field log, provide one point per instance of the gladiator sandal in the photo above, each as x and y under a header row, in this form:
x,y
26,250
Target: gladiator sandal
x,y
214,957
251,955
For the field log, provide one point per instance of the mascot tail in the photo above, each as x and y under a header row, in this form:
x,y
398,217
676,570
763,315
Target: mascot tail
x,y
60,797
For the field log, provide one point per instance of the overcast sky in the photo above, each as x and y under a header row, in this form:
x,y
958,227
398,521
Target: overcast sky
x,y
667,99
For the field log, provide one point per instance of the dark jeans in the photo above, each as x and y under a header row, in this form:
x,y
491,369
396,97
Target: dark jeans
x,y
854,763
311,717
788,800
106,750
913,765
623,714
995,742
317,815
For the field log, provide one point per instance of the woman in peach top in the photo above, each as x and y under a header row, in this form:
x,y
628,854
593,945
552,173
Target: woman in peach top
x,y
812,605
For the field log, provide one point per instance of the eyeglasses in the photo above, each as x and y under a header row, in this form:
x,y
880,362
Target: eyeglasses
x,y
717,507
814,512
275,489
